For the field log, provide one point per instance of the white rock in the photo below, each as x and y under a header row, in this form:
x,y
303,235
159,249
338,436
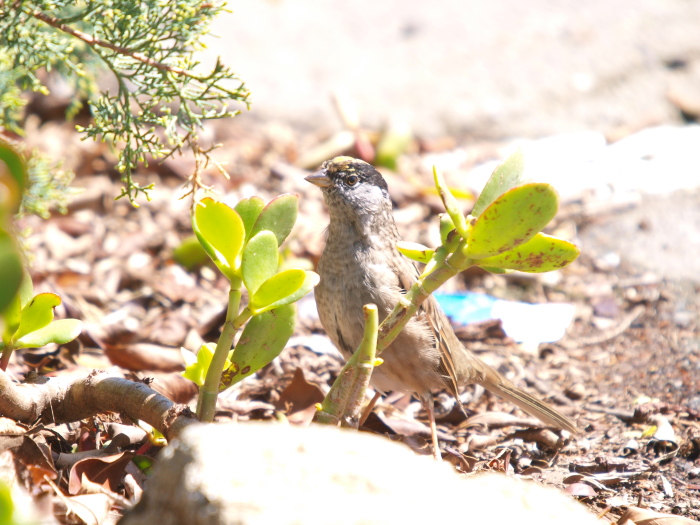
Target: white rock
x,y
277,474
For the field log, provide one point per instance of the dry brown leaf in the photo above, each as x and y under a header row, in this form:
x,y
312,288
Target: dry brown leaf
x,y
649,517
582,490
477,442
543,436
107,471
499,420
145,356
299,395
91,509
461,462
134,434
173,386
501,463
30,454
66,460
410,427
304,417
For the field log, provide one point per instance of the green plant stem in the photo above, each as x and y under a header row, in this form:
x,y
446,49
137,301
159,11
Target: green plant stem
x,y
451,205
243,318
365,366
208,394
343,402
396,321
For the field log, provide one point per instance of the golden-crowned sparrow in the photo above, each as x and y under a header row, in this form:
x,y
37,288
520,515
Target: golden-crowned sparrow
x,y
360,264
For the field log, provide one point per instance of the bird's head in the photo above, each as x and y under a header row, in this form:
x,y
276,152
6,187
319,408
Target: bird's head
x,y
352,189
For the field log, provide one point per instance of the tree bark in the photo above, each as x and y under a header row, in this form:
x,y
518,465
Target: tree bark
x,y
65,399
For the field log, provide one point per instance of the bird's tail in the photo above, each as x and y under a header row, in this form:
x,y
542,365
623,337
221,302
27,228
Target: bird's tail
x,y
497,384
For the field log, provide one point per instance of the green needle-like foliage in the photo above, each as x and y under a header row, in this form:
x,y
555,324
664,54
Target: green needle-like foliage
x,y
161,98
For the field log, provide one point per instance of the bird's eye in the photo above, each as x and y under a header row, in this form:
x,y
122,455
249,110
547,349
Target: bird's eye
x,y
351,180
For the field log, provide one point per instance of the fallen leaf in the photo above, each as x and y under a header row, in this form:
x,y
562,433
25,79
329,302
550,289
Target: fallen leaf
x,y
499,420
501,463
649,517
145,356
107,471
581,490
299,395
30,454
477,442
173,386
411,427
91,509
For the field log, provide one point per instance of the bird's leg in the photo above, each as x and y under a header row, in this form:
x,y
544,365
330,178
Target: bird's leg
x,y
428,404
368,409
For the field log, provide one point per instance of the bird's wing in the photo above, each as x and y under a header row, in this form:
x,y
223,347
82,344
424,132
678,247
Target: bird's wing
x,y
441,326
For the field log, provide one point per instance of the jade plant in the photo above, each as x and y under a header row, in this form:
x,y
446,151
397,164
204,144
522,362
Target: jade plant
x,y
502,234
244,244
13,176
26,320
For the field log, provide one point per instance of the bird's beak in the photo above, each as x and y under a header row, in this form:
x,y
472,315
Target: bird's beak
x,y
319,179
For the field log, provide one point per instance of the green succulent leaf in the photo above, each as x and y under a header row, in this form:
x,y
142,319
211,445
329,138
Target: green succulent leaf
x,y
451,204
260,260
190,253
146,464
263,338
277,287
60,332
10,272
394,142
497,271
196,366
512,219
437,259
446,226
221,233
283,288
249,210
10,317
542,253
26,288
36,314
13,179
7,506
415,251
278,216
506,176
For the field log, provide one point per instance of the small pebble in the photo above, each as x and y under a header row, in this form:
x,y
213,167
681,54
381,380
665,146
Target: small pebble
x,y
576,391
